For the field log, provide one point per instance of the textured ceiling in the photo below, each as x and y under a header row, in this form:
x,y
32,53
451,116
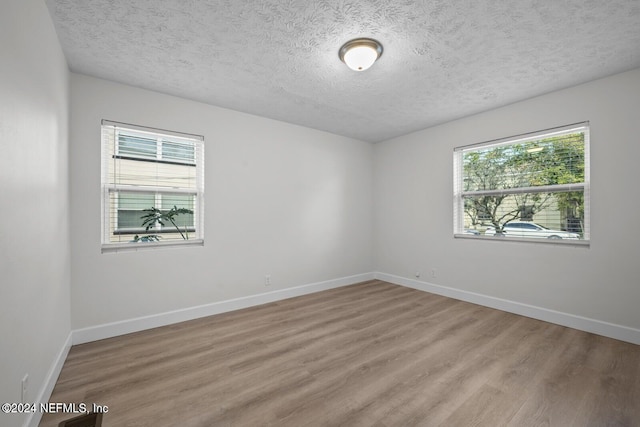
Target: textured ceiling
x,y
443,59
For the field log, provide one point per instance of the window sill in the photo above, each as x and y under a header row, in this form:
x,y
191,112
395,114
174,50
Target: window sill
x,y
143,246
565,242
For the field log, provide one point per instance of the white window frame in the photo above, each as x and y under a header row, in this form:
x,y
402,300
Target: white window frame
x,y
110,153
459,193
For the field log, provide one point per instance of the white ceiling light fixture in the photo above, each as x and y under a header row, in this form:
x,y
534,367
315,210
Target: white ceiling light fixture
x,y
360,54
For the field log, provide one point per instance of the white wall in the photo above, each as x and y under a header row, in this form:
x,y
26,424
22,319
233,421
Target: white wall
x,y
34,240
282,200
413,208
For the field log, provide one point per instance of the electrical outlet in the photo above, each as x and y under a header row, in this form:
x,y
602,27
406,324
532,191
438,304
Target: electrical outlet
x,y
434,273
25,388
267,280
417,274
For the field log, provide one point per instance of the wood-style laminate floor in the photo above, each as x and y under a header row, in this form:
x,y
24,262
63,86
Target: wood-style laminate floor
x,y
371,354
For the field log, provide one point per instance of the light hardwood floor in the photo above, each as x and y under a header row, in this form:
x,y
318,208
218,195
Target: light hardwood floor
x,y
371,354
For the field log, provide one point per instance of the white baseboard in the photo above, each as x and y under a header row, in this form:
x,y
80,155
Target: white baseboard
x,y
94,333
611,330
109,330
33,419
619,332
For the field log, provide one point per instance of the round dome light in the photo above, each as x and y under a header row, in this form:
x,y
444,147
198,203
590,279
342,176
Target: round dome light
x,y
360,54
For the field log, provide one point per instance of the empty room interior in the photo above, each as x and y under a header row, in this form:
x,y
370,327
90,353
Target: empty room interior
x,y
340,213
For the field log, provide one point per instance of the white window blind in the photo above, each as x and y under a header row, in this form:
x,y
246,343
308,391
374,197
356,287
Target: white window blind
x,y
152,187
531,187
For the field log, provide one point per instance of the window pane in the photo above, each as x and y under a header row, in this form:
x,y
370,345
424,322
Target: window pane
x,y
130,206
561,212
180,201
546,161
132,145
135,200
178,151
129,219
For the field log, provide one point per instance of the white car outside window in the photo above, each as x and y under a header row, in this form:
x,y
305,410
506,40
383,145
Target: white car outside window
x,y
531,230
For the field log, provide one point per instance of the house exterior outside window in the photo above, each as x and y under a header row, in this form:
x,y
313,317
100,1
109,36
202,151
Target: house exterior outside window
x,y
527,187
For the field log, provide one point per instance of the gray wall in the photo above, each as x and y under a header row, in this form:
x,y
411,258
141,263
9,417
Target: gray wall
x,y
413,194
34,237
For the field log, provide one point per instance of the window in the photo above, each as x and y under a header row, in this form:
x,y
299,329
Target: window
x,y
152,187
532,187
